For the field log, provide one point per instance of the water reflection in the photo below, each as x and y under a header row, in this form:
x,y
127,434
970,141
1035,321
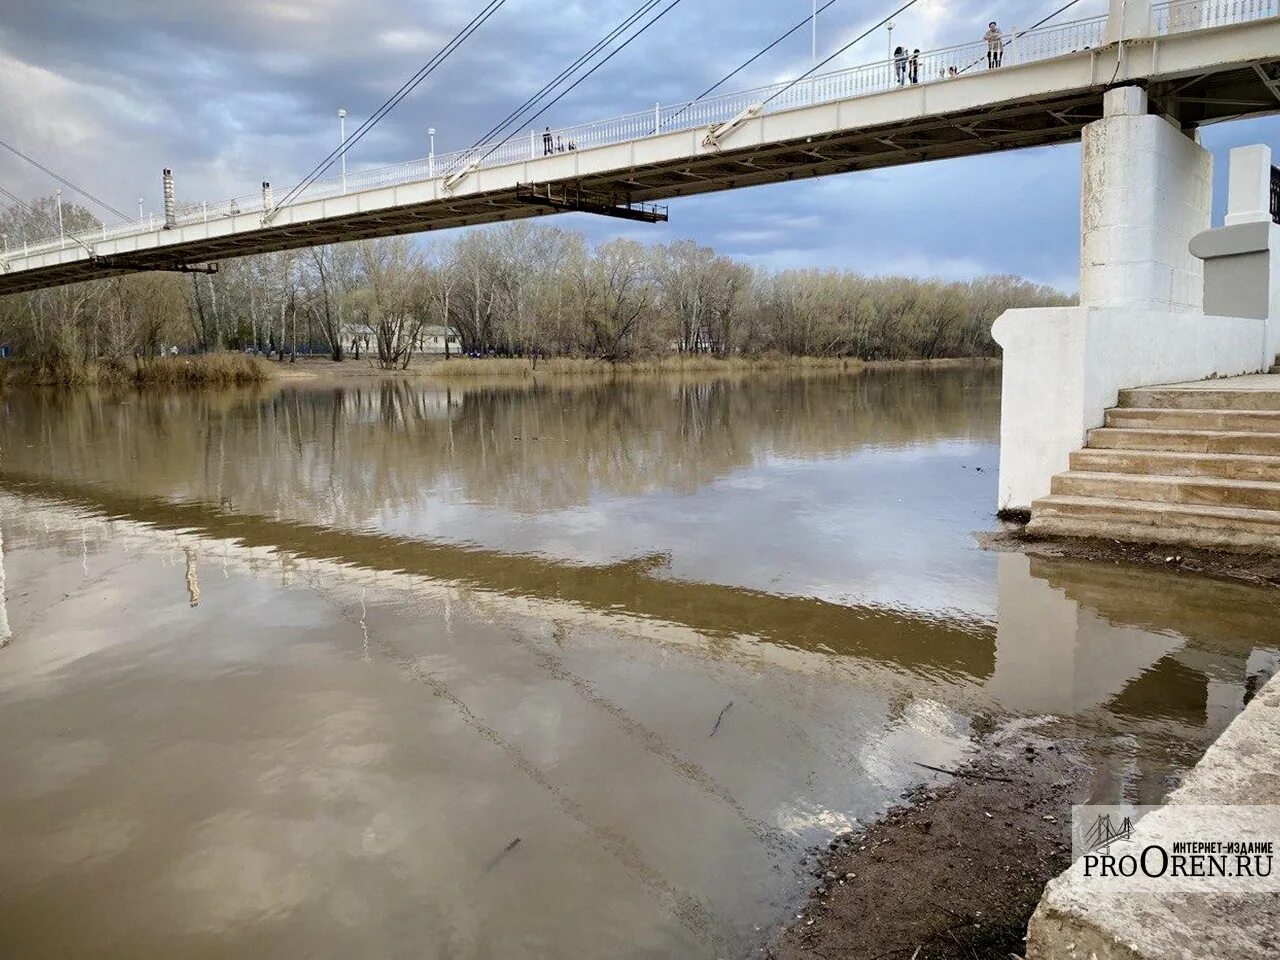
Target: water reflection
x,y
264,696
1070,639
836,487
5,633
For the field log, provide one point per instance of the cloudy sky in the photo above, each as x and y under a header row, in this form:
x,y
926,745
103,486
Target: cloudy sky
x,y
232,92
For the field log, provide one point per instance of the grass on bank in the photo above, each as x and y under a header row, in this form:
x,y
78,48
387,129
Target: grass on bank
x,y
209,369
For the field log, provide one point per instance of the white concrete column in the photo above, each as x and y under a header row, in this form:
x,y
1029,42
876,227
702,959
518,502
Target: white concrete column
x,y
1127,19
1249,185
1054,655
1146,190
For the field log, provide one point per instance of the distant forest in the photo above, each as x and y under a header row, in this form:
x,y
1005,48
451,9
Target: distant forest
x,y
515,289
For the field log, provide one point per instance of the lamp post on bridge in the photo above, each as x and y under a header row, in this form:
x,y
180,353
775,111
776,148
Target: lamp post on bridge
x,y
140,214
61,233
342,142
890,41
431,151
814,38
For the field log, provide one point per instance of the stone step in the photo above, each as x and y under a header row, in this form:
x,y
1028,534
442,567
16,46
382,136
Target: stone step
x,y
1149,418
1219,528
1176,398
1187,441
1205,491
1166,463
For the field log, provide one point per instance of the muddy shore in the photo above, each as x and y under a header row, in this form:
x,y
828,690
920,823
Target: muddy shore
x,y
955,870
1256,569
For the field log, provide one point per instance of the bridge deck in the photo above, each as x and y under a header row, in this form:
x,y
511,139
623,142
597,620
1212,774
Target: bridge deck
x,y
1194,76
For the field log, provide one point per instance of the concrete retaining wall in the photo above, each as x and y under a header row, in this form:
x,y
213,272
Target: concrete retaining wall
x,y
1064,366
1075,922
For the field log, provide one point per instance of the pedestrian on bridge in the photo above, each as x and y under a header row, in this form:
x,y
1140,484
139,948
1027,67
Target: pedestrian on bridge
x,y
913,65
995,45
900,65
548,145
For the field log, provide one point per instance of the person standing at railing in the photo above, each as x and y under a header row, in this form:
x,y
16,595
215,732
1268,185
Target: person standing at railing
x,y
995,45
900,65
548,145
913,66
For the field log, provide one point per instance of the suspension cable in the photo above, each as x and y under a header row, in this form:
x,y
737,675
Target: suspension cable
x,y
617,50
1021,33
476,22
62,180
859,38
746,63
1041,23
568,71
37,212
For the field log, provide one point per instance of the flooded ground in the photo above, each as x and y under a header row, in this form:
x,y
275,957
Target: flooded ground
x,y
580,671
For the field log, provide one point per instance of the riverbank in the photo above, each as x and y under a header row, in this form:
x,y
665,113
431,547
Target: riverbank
x,y
954,871
516,369
224,369
1255,569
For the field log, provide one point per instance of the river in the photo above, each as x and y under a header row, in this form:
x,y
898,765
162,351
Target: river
x,y
560,670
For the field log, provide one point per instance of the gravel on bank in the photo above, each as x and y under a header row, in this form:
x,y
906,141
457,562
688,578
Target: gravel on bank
x,y
957,869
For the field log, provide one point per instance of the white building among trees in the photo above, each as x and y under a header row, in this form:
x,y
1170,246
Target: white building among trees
x,y
359,339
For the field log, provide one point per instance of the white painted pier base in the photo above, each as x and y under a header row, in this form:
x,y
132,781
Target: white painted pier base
x,y
1146,191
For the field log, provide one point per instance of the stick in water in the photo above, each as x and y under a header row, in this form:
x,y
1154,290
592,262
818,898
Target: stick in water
x,y
507,849
719,718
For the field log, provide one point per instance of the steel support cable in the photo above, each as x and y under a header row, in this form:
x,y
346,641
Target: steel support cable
x,y
617,50
1023,33
35,211
746,63
476,22
568,71
63,180
1040,23
858,39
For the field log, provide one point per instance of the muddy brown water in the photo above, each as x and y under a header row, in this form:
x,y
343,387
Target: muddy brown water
x,y
554,671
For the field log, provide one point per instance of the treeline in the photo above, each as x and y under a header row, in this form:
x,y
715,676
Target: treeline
x,y
521,289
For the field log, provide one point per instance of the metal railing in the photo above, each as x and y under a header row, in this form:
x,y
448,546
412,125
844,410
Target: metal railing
x,y
935,66
1183,15
1275,194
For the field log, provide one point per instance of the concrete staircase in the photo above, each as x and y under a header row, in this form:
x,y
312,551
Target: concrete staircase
x,y
1190,464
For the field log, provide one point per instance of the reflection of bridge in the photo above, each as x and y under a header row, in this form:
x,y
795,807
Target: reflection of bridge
x,y
1069,641
1200,61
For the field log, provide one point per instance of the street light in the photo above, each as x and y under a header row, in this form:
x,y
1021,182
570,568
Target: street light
x,y
61,234
891,40
139,209
431,151
342,133
814,39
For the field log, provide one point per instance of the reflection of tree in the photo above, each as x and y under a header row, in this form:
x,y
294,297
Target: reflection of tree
x,y
343,455
5,634
193,578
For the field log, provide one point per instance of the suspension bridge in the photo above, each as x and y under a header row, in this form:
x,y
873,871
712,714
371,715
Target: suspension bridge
x,y
1199,61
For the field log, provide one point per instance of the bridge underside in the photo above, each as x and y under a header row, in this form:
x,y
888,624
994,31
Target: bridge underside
x,y
1190,99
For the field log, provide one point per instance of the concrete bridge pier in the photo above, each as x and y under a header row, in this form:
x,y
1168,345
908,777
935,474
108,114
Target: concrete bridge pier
x,y
1146,191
